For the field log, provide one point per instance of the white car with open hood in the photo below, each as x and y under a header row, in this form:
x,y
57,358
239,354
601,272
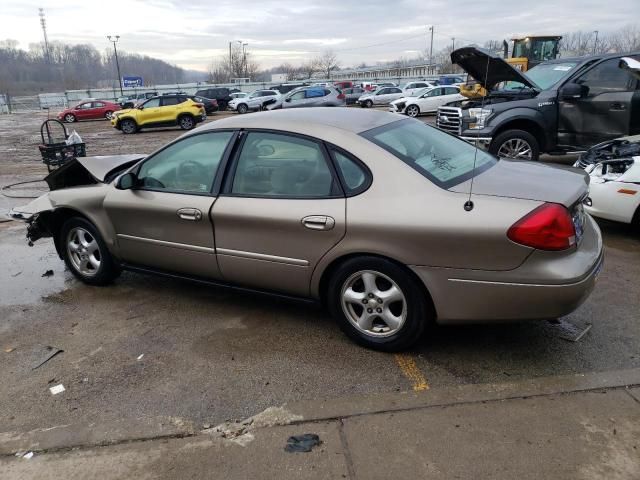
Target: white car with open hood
x,y
427,100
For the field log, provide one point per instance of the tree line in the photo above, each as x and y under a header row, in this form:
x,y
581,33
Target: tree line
x,y
68,67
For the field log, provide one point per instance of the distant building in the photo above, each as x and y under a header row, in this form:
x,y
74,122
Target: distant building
x,y
278,77
387,72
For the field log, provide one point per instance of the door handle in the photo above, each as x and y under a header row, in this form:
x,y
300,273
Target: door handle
x,y
319,222
192,214
617,106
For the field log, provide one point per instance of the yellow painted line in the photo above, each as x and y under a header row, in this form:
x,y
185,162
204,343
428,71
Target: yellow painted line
x,y
410,370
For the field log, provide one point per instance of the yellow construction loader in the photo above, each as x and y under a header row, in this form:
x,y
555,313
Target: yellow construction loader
x,y
527,52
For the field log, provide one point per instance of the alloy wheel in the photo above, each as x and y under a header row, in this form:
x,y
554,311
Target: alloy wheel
x,y
186,123
373,303
83,251
128,126
108,115
69,118
412,111
516,148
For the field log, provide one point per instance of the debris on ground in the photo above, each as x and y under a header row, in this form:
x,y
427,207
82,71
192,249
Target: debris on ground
x,y
48,273
140,357
57,389
240,431
26,455
302,443
9,349
47,354
568,331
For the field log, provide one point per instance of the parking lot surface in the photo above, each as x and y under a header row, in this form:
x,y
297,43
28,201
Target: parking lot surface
x,y
153,355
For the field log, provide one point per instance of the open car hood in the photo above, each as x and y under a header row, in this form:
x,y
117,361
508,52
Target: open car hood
x,y
474,61
89,170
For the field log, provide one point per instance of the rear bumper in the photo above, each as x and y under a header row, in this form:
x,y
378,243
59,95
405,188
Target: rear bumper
x,y
466,296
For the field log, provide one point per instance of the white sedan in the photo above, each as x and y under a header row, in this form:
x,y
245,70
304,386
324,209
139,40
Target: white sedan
x,y
411,88
382,96
257,100
614,190
426,101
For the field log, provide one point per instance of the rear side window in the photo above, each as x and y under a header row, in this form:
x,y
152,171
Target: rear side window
x,y
316,92
354,176
607,77
276,165
166,101
437,156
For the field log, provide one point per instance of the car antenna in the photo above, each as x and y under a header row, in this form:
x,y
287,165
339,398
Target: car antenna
x,y
468,205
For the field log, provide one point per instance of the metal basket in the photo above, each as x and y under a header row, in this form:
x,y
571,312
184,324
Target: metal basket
x,y
54,149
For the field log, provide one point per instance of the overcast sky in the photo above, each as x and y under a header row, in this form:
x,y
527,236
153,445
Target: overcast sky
x,y
190,33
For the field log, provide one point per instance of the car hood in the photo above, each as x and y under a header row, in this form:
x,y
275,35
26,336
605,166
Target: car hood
x,y
89,170
403,100
488,68
530,181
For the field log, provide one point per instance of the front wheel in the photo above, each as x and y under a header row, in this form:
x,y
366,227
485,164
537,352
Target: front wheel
x,y
242,108
128,126
69,118
412,111
367,104
85,253
516,144
378,304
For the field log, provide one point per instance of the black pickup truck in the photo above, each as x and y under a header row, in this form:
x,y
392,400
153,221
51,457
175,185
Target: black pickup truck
x,y
559,106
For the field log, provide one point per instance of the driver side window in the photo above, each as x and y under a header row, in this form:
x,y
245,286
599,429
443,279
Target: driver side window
x,y
188,166
154,102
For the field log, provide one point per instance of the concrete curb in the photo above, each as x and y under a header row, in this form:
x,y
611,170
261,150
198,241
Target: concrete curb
x,y
128,431
344,407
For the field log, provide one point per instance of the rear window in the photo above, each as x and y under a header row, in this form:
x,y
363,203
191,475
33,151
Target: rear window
x,y
443,159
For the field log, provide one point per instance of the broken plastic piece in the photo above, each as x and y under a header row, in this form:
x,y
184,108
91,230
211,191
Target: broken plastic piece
x,y
28,455
140,356
302,443
48,273
57,389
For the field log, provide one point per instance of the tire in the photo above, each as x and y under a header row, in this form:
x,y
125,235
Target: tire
x,y
128,126
186,122
70,118
364,281
412,111
85,253
635,221
509,143
242,108
367,104
108,114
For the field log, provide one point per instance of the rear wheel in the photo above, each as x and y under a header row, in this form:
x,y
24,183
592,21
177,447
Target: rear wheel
x,y
85,253
186,122
516,144
69,118
242,108
412,111
128,126
108,115
378,304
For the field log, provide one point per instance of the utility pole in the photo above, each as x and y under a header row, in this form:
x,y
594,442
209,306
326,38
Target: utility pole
x,y
115,51
453,43
43,23
595,43
431,51
231,72
244,60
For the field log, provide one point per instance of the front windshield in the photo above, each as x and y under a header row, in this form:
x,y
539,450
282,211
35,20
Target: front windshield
x,y
438,156
546,75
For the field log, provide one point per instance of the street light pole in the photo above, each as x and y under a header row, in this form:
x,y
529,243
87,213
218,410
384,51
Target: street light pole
x,y
431,51
244,59
595,43
453,43
115,50
231,72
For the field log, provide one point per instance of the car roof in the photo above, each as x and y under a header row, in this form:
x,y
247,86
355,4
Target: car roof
x,y
350,119
588,58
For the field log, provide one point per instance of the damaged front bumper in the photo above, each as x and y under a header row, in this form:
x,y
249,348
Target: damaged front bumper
x,y
33,215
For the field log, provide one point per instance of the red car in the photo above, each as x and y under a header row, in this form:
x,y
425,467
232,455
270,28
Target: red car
x,y
89,110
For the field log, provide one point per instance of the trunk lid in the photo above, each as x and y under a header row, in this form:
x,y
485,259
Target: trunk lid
x,y
488,68
530,181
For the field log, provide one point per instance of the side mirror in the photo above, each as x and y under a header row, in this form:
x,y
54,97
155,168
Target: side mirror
x,y
127,181
287,99
573,91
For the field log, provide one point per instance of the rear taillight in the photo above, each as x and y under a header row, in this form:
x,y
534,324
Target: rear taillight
x,y
341,96
201,105
548,227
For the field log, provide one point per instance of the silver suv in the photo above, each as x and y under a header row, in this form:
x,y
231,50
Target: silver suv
x,y
314,97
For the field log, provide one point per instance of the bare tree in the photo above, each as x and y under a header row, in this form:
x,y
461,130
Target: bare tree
x,y
626,39
307,69
327,62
